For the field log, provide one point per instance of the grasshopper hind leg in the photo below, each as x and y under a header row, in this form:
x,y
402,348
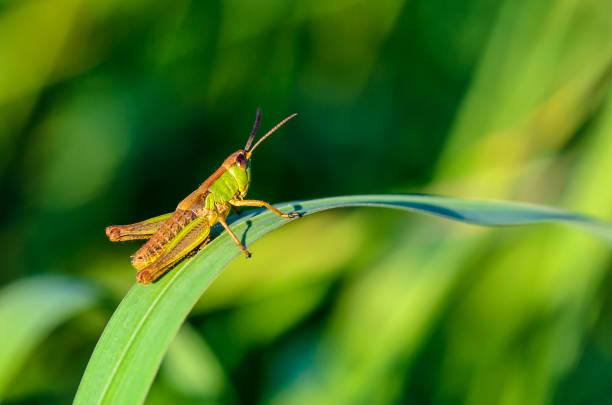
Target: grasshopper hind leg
x,y
199,248
139,230
195,235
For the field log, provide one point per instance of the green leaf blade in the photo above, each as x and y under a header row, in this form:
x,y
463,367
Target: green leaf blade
x,y
33,307
130,350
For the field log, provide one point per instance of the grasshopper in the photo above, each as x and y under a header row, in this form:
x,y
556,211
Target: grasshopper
x,y
173,236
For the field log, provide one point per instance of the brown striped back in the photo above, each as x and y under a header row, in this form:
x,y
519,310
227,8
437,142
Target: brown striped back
x,y
155,245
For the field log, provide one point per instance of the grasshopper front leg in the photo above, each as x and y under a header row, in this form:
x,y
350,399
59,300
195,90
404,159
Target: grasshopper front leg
x,y
189,238
259,203
140,230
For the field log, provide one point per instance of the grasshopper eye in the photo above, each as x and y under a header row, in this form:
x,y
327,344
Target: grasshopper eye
x,y
241,161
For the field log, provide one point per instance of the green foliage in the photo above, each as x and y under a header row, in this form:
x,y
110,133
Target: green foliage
x,y
112,112
29,310
133,344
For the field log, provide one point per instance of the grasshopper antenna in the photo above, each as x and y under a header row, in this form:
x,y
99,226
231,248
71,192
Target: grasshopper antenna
x,y
254,131
270,132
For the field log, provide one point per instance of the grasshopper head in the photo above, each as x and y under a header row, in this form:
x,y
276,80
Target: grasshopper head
x,y
239,162
240,167
248,151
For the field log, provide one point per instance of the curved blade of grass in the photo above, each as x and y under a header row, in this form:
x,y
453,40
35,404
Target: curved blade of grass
x,y
133,343
29,310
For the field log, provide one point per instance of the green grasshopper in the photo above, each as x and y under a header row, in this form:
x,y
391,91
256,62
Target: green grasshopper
x,y
173,236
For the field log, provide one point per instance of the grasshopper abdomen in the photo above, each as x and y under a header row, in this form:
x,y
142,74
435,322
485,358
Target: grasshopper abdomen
x,y
151,250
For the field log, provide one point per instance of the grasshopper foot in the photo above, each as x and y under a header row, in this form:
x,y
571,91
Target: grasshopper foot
x,y
292,215
247,254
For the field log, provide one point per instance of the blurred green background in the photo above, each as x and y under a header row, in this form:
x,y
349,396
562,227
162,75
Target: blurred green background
x,y
111,112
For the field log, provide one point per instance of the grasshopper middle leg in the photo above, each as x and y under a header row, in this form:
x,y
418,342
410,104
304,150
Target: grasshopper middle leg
x,y
234,237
